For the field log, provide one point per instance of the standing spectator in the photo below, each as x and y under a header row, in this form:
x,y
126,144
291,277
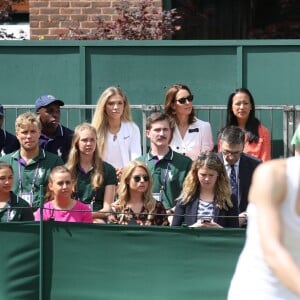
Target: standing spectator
x,y
55,138
31,164
242,165
167,167
269,265
241,112
95,180
119,137
135,204
12,207
206,199
8,142
60,206
191,136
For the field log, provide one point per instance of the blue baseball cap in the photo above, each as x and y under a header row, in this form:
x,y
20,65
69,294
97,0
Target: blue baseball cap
x,y
1,110
46,100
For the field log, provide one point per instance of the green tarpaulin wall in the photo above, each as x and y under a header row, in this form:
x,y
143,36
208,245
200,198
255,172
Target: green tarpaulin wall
x,y
87,261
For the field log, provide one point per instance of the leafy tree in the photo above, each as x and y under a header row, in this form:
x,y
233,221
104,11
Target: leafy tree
x,y
143,21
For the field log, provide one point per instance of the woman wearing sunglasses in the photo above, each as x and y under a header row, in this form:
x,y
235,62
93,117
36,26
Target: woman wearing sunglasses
x,y
206,199
191,136
135,204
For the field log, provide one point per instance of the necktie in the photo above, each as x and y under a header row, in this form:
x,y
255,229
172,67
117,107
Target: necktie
x,y
233,181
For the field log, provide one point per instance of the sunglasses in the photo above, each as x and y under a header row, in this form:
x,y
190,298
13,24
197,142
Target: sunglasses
x,y
138,178
189,98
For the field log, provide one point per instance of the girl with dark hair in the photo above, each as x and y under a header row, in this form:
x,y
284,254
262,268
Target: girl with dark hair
x,y
12,207
241,113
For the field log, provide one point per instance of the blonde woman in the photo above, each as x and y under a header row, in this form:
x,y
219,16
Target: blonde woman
x,y
119,138
95,179
206,199
135,204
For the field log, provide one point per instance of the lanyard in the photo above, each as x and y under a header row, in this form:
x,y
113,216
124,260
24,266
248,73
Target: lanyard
x,y
33,179
164,179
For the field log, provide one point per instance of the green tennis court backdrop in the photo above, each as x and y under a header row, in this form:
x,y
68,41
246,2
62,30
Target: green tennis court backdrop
x,y
87,261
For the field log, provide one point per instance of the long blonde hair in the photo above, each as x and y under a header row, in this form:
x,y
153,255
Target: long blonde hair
x,y
191,185
100,120
123,190
74,157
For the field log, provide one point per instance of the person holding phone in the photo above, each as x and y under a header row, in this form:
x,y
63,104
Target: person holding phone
x,y
206,199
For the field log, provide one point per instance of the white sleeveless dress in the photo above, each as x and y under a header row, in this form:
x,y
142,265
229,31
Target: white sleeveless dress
x,y
253,279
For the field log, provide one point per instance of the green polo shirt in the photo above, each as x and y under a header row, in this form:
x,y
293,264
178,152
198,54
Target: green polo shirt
x,y
168,174
28,178
16,209
84,190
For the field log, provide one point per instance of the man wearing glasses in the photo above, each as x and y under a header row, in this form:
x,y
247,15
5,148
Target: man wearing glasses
x,y
239,166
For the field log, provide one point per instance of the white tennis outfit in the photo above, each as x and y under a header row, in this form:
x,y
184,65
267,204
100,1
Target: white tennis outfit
x,y
198,138
253,279
126,146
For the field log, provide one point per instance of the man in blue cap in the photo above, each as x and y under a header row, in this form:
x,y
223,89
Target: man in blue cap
x,y
8,142
55,137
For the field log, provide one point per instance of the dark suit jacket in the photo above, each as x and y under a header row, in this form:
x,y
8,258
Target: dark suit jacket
x,y
8,142
247,165
187,214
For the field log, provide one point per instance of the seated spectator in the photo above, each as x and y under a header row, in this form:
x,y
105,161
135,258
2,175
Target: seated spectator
x,y
191,136
241,113
206,199
119,138
31,164
167,167
55,138
95,180
12,207
135,204
8,142
59,205
239,166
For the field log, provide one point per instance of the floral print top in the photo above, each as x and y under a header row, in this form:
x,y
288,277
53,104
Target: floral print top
x,y
128,217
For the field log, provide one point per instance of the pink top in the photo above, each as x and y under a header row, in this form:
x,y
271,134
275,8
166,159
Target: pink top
x,y
79,213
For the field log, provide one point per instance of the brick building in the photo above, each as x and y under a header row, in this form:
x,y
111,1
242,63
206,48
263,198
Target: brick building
x,y
51,18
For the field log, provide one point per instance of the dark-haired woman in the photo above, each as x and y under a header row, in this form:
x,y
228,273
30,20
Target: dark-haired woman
x,y
191,136
241,112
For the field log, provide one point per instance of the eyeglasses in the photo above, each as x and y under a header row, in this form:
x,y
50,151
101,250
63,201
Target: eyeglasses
x,y
189,98
138,178
235,153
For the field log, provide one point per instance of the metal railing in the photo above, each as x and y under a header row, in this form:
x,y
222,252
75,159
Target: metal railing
x,y
281,120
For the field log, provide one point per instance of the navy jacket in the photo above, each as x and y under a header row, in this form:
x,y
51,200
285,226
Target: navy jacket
x,y
247,165
8,143
60,144
187,214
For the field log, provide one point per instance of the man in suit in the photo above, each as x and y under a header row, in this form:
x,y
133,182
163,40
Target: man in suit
x,y
239,166
8,142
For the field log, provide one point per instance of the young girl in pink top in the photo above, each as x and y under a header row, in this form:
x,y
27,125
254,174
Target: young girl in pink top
x,y
60,206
